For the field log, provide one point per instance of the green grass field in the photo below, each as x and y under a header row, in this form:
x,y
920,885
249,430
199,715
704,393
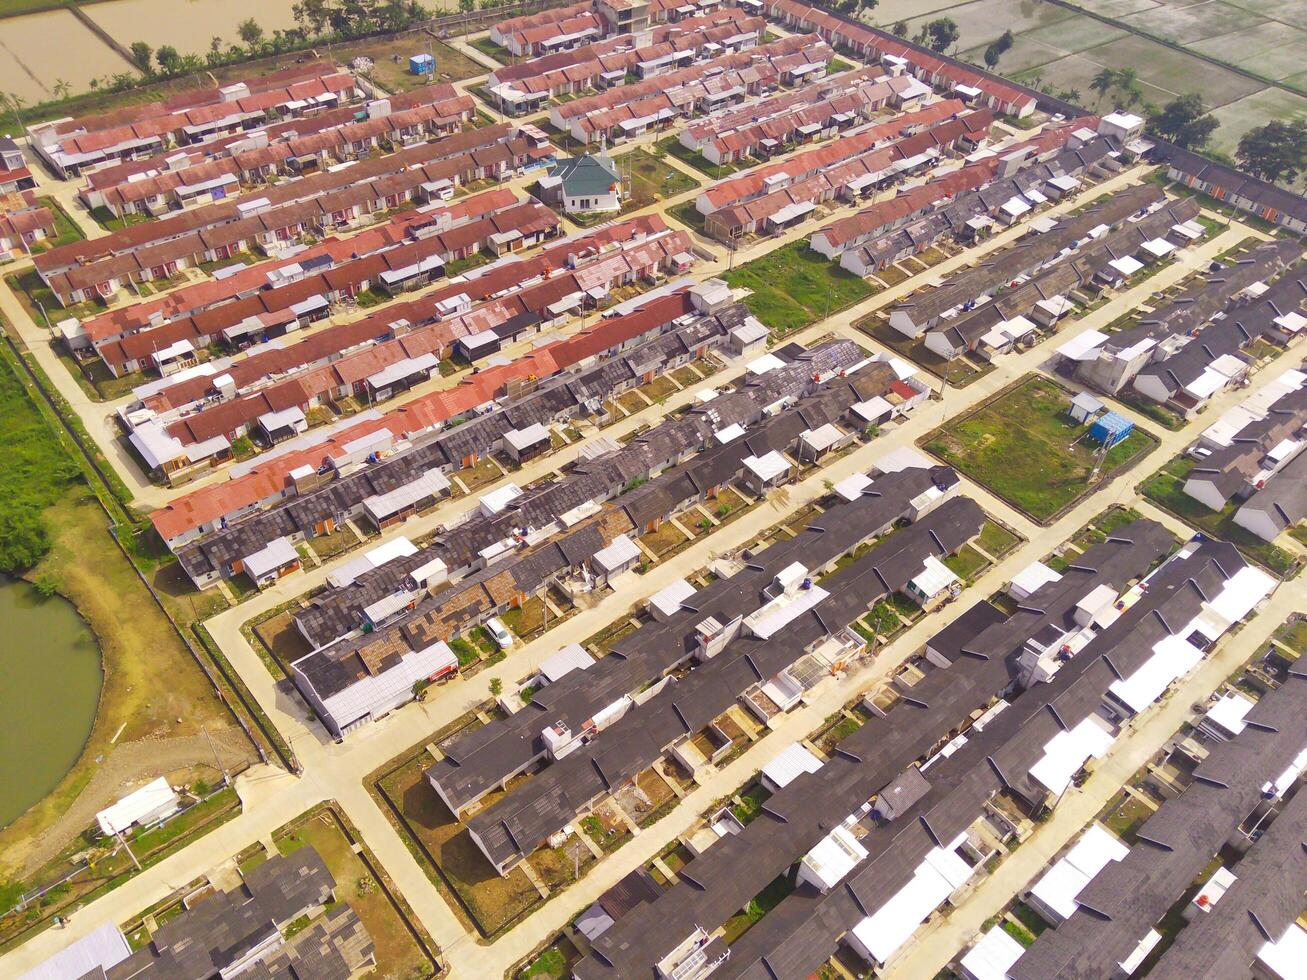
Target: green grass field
x,y
652,179
1025,448
795,286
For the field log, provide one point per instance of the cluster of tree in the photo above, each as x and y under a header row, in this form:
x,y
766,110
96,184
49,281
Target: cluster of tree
x,y
997,49
1183,121
1276,151
1072,95
851,8
939,34
316,21
36,473
1121,82
353,18
467,6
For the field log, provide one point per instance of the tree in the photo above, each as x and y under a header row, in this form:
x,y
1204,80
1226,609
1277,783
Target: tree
x,y
1276,151
1185,122
168,58
312,15
467,6
24,536
496,686
998,49
250,32
939,34
1103,82
1127,85
61,89
900,28
141,53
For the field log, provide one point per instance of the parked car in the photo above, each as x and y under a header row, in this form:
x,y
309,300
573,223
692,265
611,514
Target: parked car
x,y
499,633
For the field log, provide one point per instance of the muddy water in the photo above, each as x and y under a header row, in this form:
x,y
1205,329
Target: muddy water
x,y
49,690
37,50
188,25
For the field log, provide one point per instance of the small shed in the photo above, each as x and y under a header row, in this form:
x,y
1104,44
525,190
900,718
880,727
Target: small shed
x,y
1111,429
150,804
666,603
622,554
422,64
1084,407
526,443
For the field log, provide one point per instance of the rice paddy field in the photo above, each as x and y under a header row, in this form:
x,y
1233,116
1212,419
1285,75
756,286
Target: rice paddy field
x,y
1063,45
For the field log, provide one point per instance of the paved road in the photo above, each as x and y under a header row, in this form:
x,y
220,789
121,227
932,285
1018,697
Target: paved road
x,y
337,771
937,944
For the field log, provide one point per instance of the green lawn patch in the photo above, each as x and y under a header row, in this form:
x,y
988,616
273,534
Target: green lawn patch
x,y
489,47
459,266
966,563
996,540
66,230
794,286
751,801
687,214
1166,489
652,179
701,163
1023,446
1294,636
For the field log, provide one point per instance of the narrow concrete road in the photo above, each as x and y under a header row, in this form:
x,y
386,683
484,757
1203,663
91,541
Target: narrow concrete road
x,y
939,942
337,771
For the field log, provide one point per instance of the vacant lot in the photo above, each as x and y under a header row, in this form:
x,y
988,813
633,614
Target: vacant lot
x,y
1023,446
652,179
390,56
153,689
795,286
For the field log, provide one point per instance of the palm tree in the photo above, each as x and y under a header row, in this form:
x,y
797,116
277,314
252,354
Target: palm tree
x,y
13,102
61,88
1127,83
1104,80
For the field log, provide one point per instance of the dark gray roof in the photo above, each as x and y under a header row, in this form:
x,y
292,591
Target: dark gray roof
x,y
221,930
1028,254
735,869
518,822
1259,906
477,762
1233,182
1175,843
994,759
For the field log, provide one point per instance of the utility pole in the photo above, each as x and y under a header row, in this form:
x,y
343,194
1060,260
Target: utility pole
x,y
226,779
128,848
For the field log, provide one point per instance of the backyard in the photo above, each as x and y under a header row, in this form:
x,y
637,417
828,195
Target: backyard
x,y
1166,489
1024,447
794,286
445,848
959,372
